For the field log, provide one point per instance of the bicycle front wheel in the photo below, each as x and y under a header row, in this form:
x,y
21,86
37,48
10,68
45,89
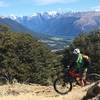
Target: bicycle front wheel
x,y
62,87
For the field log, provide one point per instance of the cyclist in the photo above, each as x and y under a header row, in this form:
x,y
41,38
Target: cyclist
x,y
80,63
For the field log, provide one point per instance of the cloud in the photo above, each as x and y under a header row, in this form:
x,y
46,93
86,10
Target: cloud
x,y
3,4
96,8
47,2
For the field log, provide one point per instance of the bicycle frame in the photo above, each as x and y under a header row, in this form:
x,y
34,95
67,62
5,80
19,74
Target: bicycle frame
x,y
71,75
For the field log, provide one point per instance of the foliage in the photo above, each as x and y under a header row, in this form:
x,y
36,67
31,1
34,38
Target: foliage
x,y
89,44
4,28
26,59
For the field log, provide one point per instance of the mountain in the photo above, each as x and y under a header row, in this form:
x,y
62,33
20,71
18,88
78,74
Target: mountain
x,y
60,28
56,29
66,24
15,26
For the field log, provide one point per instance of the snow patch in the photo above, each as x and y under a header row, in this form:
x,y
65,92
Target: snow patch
x,y
13,17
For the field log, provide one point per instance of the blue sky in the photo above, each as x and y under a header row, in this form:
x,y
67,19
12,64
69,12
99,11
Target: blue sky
x,y
28,7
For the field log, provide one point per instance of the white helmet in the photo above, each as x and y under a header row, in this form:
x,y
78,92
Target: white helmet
x,y
76,51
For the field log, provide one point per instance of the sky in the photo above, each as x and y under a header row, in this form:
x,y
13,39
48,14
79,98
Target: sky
x,y
29,7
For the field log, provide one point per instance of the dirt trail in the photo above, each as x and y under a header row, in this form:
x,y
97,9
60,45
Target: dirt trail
x,y
37,92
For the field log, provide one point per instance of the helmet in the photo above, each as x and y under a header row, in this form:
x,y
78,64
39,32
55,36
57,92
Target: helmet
x,y
76,51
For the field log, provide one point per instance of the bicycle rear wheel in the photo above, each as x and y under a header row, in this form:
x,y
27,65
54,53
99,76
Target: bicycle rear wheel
x,y
62,87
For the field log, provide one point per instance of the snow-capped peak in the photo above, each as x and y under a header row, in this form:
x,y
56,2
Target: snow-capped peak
x,y
52,13
13,17
34,14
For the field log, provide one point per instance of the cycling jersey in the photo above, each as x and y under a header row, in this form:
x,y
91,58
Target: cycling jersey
x,y
79,62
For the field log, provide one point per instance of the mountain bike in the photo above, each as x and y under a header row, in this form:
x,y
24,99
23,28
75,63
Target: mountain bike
x,y
65,80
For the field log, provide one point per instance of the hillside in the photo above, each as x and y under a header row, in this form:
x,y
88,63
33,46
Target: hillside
x,y
50,41
23,57
15,26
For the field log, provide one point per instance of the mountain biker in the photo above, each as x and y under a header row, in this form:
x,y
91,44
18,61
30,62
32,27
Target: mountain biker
x,y
80,63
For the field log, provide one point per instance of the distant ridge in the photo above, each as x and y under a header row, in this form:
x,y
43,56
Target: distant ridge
x,y
61,23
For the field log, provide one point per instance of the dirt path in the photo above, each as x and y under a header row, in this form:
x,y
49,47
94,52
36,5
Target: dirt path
x,y
37,92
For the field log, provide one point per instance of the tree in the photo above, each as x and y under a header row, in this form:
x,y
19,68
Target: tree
x,y
22,57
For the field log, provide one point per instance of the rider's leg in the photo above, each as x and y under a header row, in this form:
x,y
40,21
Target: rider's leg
x,y
79,79
84,77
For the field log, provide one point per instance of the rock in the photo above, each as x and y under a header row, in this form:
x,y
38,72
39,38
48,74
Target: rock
x,y
93,92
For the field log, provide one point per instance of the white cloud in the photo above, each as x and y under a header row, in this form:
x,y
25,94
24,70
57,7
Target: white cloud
x,y
46,2
3,4
96,8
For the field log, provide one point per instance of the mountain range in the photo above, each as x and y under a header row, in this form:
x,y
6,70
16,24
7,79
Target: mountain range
x,y
54,28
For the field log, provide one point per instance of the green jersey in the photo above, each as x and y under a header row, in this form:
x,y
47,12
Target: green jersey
x,y
79,62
